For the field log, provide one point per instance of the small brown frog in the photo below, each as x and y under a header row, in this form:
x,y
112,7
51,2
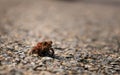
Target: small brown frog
x,y
43,49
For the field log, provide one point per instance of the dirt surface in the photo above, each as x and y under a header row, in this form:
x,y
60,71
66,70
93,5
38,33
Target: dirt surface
x,y
85,35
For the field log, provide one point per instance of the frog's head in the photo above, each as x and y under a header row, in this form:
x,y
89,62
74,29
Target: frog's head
x,y
47,43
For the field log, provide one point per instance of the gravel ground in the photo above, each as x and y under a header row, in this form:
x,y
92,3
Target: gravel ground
x,y
85,35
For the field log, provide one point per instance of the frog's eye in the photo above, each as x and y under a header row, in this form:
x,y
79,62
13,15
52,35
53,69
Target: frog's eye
x,y
50,42
45,43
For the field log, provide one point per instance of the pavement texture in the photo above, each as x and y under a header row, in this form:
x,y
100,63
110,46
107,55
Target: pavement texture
x,y
85,36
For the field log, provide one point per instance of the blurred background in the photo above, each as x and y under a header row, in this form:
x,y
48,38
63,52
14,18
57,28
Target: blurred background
x,y
74,17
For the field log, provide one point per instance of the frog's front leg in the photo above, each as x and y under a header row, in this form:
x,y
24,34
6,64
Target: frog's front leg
x,y
51,52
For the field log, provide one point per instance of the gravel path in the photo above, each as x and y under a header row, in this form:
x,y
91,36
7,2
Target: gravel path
x,y
85,35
